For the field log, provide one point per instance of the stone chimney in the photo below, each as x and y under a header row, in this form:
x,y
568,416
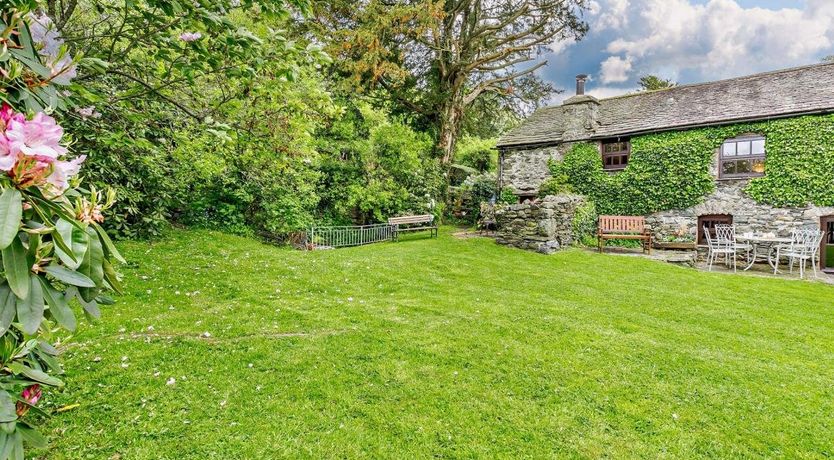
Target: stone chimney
x,y
580,84
581,112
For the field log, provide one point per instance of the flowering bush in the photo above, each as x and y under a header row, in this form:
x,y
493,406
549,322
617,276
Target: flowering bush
x,y
53,253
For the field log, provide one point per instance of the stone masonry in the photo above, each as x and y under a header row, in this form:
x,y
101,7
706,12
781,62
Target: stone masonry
x,y
748,215
525,170
544,226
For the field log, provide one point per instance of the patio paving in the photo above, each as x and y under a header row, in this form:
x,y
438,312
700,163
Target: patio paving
x,y
696,260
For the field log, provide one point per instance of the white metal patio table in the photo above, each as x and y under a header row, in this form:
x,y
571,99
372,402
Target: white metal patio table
x,y
763,248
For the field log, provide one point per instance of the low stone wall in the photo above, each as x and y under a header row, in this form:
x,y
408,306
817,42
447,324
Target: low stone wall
x,y
544,226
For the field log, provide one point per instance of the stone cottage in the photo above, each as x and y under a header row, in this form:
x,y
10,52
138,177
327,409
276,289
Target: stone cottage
x,y
613,123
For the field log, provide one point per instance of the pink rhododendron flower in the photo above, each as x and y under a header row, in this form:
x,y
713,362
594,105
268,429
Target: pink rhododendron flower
x,y
63,171
190,36
31,395
30,152
50,46
7,160
88,112
38,137
7,114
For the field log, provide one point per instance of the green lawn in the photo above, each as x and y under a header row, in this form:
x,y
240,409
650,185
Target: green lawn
x,y
444,348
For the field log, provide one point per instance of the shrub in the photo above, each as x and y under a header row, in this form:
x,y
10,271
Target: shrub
x,y
585,224
374,167
476,153
477,189
54,254
507,197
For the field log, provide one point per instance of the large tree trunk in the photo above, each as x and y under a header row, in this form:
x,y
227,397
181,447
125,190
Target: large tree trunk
x,y
451,119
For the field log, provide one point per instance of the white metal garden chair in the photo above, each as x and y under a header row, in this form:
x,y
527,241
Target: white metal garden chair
x,y
723,244
804,248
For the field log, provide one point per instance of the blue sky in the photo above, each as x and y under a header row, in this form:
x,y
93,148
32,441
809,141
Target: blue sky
x,y
690,41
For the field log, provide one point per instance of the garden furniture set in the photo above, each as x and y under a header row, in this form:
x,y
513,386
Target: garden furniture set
x,y
802,247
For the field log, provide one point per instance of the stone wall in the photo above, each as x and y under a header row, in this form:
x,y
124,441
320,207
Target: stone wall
x,y
748,215
545,225
524,171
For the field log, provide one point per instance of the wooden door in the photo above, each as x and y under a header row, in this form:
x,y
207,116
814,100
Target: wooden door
x,y
827,250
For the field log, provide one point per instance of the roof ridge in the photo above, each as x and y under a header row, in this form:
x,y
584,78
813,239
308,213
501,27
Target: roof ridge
x,y
704,83
773,94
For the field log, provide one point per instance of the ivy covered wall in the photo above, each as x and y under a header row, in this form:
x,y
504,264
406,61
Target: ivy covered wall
x,y
675,170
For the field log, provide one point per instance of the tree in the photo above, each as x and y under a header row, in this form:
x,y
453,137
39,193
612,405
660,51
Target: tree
x,y
152,69
828,58
436,58
654,83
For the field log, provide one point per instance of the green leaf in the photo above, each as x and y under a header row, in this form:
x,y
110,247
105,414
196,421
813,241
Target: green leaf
x,y
108,243
61,245
58,306
16,441
74,237
34,241
91,265
111,276
68,276
30,310
8,307
36,375
17,268
7,409
91,309
4,439
32,436
47,348
11,212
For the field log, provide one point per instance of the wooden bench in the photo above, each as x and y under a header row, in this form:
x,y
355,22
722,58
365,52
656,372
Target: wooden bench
x,y
413,224
624,228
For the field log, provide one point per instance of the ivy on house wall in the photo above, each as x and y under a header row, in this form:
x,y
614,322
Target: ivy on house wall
x,y
674,170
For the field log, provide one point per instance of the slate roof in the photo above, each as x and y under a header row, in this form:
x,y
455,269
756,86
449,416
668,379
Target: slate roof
x,y
789,92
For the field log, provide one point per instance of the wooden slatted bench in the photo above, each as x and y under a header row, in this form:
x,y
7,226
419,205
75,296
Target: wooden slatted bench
x,y
624,228
413,224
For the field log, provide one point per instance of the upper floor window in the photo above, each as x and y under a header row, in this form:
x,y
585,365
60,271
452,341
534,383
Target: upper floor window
x,y
742,157
615,155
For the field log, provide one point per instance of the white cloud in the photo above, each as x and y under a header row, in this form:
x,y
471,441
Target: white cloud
x,y
717,39
612,15
615,70
561,45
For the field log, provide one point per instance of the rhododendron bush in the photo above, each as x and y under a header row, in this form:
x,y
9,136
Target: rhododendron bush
x,y
56,259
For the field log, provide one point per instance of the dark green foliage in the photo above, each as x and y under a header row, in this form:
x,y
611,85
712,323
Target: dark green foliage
x,y
475,190
133,156
373,168
673,170
478,154
800,162
507,197
654,83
